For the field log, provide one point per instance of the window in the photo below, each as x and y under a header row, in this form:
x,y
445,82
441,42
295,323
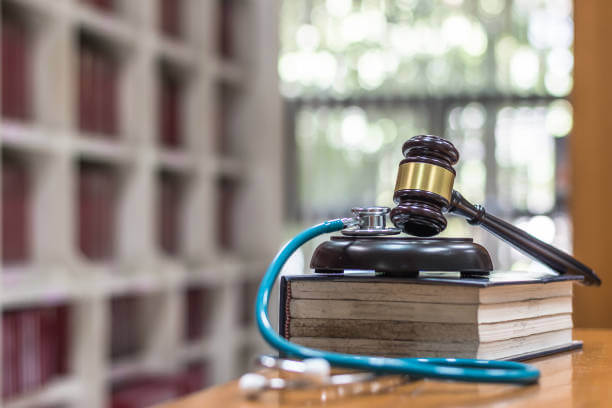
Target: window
x,y
361,77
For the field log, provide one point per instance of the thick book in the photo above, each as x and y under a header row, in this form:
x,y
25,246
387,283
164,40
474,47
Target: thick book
x,y
501,316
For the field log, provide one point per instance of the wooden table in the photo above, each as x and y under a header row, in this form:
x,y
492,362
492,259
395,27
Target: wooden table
x,y
578,378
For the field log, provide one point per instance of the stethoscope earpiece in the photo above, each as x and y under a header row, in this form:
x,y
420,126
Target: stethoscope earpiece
x,y
252,384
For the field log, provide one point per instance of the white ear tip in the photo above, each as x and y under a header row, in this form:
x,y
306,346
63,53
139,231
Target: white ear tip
x,y
251,384
317,368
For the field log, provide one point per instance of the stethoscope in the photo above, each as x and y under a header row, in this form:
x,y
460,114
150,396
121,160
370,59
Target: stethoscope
x,y
467,370
313,373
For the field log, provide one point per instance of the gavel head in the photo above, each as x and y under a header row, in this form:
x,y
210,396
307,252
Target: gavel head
x,y
424,185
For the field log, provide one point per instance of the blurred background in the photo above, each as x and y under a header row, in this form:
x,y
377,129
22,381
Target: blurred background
x,y
156,153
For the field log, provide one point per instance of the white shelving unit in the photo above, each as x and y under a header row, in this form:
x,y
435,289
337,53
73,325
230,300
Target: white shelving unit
x,y
53,147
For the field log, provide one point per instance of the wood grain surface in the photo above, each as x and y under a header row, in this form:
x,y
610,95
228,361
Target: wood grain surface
x,y
579,378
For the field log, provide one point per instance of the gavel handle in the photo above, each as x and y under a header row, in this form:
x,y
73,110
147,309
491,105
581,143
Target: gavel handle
x,y
524,242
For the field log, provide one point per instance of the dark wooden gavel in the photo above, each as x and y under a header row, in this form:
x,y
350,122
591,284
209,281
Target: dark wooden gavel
x,y
424,192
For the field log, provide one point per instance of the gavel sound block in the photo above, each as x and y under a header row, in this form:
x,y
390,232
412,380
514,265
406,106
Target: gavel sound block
x,y
424,192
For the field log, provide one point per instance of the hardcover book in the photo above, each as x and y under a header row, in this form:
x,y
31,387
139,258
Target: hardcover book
x,y
504,316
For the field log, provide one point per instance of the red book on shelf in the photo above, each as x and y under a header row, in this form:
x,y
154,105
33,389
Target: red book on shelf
x,y
102,102
7,41
198,312
125,335
248,292
193,378
174,106
15,211
106,5
194,323
225,28
98,93
11,364
170,111
98,90
97,211
28,327
33,344
86,89
87,217
170,192
222,122
112,99
15,69
61,352
47,320
21,75
227,192
170,17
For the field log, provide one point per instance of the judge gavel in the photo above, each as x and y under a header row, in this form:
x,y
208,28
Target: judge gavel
x,y
424,191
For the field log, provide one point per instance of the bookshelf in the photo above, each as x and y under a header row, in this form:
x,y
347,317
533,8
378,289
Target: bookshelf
x,y
90,142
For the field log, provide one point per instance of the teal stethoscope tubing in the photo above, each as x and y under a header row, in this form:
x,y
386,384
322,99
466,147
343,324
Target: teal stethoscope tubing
x,y
468,370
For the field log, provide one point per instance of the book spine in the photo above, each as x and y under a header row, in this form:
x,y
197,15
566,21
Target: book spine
x,y
15,70
62,344
170,17
97,195
194,320
24,74
225,28
85,221
7,68
170,200
284,311
86,89
15,212
221,121
170,111
171,95
18,75
177,114
10,353
22,214
7,211
112,104
225,208
98,93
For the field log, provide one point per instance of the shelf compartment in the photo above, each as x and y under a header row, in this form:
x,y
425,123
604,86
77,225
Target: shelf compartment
x,y
170,222
171,18
97,205
171,106
199,312
127,338
98,90
35,348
